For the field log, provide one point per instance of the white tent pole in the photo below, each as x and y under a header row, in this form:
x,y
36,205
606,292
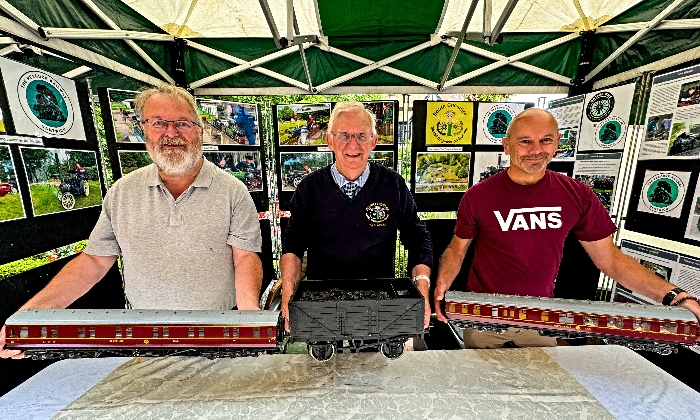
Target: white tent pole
x,y
651,24
460,39
18,16
584,19
665,25
488,10
512,58
245,65
270,22
523,66
141,53
14,28
501,21
442,16
318,18
374,65
73,33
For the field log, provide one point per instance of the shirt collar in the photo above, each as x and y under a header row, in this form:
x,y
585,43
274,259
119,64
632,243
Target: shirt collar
x,y
341,180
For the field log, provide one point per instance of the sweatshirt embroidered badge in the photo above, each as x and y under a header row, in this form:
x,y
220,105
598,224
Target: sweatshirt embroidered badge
x,y
377,214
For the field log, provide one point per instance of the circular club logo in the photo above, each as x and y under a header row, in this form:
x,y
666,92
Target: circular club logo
x,y
600,106
496,122
661,192
610,132
45,102
450,124
377,213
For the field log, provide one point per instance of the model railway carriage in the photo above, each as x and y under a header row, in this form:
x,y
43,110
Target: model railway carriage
x,y
51,334
644,327
330,315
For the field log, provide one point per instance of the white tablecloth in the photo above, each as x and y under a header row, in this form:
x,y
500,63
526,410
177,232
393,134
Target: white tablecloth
x,y
587,382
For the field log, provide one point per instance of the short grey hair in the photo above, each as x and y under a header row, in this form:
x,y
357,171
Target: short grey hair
x,y
352,106
174,92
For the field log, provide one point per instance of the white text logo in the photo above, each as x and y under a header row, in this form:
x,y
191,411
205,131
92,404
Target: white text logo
x,y
539,217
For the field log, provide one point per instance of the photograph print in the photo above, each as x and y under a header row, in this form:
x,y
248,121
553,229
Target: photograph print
x,y
658,127
126,123
689,94
685,139
242,165
61,179
295,166
131,160
442,172
303,124
488,164
383,158
11,206
567,144
602,186
227,122
383,112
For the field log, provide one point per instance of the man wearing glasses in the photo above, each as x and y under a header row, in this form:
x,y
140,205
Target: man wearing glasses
x,y
346,215
184,228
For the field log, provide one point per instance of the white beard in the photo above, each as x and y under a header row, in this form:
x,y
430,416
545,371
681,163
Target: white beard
x,y
175,162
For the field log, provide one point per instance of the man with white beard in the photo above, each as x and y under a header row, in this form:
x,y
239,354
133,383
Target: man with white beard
x,y
185,229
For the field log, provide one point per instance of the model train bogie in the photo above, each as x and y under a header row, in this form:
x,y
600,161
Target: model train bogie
x,y
322,351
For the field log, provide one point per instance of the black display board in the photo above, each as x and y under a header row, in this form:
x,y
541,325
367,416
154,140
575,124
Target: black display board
x,y
226,143
456,126
46,223
300,146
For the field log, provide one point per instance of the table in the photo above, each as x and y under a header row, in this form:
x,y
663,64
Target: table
x,y
582,382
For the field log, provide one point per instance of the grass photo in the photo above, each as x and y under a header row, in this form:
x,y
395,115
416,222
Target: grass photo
x,y
303,124
11,206
442,172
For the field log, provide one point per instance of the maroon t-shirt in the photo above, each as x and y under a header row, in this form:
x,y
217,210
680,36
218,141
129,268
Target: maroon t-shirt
x,y
520,230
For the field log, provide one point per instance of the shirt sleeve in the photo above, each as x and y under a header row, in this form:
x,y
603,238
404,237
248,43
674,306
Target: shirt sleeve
x,y
413,232
102,241
466,226
244,229
595,223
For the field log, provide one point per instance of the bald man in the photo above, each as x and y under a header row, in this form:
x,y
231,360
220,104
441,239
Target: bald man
x,y
521,218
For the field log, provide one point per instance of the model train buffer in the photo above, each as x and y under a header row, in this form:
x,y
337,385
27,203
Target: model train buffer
x,y
661,329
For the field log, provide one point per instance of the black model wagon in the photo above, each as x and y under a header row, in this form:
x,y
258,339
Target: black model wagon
x,y
372,313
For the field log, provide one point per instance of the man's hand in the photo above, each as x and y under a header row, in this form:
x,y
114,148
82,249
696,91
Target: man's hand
x,y
8,354
440,290
285,312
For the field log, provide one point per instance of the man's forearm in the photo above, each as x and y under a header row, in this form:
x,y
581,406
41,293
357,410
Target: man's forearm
x,y
73,281
290,267
450,265
248,272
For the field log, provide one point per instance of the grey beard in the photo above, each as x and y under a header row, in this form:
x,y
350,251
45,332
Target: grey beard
x,y
174,162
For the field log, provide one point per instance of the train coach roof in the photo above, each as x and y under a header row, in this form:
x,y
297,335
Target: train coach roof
x,y
571,305
134,316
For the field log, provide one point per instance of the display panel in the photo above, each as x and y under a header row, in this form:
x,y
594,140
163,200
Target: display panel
x,y
244,166
230,123
663,192
302,124
599,171
42,104
11,204
61,179
605,119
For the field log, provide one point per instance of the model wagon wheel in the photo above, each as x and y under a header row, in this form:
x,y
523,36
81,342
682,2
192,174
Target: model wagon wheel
x,y
322,351
67,201
392,349
85,186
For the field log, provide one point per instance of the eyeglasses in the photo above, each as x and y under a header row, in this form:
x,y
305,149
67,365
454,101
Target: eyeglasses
x,y
344,137
161,125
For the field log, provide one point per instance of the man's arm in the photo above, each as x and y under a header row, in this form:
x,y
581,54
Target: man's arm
x,y
450,264
248,272
73,281
290,267
632,275
424,289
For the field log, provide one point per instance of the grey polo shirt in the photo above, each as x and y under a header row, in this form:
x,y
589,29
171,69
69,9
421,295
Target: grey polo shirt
x,y
177,254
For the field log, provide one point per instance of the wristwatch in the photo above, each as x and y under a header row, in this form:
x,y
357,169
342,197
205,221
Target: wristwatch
x,y
671,295
421,277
